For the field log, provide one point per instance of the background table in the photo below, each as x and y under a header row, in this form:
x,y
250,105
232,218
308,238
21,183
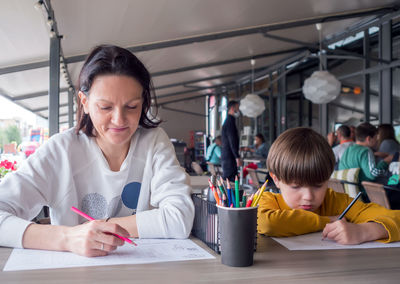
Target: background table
x,y
273,264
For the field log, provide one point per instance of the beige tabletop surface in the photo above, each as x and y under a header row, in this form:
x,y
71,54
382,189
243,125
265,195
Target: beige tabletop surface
x,y
273,263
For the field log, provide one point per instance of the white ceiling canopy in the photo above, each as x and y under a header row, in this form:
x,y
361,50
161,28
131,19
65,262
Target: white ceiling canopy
x,y
199,43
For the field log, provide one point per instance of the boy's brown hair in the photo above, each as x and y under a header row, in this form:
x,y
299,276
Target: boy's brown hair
x,y
301,156
364,130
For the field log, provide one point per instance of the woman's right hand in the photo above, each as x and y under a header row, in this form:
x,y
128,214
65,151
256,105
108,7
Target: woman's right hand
x,y
94,238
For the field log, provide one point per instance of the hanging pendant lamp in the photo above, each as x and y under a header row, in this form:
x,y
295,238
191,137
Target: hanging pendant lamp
x,y
322,87
252,105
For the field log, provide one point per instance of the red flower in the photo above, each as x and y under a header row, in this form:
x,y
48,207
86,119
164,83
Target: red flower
x,y
6,167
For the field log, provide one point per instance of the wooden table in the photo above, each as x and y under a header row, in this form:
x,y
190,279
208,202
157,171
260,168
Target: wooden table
x,y
273,264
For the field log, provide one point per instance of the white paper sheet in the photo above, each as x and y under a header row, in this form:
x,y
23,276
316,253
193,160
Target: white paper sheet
x,y
314,242
147,251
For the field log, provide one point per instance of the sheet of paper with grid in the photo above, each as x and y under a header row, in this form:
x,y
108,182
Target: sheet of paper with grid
x,y
147,251
314,242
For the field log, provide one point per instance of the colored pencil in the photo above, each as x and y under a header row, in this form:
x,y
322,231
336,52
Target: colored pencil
x,y
87,217
237,192
228,192
244,199
250,200
261,192
214,191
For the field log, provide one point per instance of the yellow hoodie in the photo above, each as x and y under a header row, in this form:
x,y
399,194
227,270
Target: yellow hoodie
x,y
277,219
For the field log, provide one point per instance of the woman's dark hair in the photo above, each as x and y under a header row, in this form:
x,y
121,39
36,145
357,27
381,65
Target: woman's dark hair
x,y
261,137
386,131
114,60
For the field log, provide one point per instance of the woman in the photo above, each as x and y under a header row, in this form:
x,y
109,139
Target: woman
x,y
387,142
115,164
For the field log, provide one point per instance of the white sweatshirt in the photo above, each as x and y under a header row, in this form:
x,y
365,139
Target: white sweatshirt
x,y
70,170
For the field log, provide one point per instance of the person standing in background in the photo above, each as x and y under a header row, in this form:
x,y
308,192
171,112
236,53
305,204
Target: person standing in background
x,y
230,159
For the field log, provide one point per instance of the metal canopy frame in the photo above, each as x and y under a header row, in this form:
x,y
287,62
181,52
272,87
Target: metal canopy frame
x,y
382,15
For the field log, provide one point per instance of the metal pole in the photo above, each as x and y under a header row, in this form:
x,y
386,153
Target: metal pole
x,y
366,77
281,101
271,112
301,102
70,107
385,76
54,88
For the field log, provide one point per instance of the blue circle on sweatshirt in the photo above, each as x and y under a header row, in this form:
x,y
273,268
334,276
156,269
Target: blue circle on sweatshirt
x,y
130,194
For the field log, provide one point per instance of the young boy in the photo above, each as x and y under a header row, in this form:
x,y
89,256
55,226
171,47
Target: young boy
x,y
300,162
360,155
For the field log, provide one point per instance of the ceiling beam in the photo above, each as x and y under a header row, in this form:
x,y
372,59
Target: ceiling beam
x,y
46,108
253,30
291,40
223,62
226,34
185,99
234,74
35,95
183,111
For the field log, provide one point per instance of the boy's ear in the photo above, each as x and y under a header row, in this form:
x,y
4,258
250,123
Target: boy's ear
x,y
275,179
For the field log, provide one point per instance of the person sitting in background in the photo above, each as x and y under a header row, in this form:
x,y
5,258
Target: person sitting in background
x,y
343,136
260,148
301,171
213,154
352,132
387,142
360,155
331,139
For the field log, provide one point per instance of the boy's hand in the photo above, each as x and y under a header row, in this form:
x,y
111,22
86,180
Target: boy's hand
x,y
333,218
346,233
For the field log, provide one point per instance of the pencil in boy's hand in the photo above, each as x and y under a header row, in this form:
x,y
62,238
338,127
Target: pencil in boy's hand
x,y
87,217
350,205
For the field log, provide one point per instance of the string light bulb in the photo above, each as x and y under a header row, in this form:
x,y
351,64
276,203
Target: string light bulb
x,y
38,5
52,33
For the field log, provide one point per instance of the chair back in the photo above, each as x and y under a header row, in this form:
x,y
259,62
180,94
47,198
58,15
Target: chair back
x,y
254,177
197,168
376,193
350,176
336,185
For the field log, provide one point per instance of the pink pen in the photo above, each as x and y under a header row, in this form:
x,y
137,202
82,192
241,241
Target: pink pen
x,y
76,210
